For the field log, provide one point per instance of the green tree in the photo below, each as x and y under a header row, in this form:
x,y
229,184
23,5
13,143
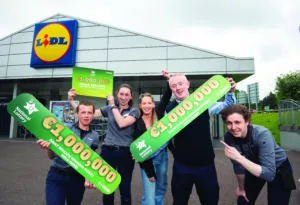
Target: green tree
x,y
288,86
270,101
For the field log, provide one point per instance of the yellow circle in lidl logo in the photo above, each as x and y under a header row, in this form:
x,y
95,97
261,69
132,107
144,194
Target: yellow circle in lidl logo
x,y
52,42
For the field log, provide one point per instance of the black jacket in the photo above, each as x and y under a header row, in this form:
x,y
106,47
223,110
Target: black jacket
x,y
192,145
140,128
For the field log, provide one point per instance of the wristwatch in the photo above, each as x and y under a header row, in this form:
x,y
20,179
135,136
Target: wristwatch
x,y
114,106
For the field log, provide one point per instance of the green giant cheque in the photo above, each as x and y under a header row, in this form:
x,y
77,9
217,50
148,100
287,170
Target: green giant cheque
x,y
179,117
28,111
92,82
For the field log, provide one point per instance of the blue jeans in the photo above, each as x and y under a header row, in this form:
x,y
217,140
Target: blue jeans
x,y
154,192
122,161
204,178
61,188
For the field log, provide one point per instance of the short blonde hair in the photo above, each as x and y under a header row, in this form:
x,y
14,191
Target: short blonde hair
x,y
177,74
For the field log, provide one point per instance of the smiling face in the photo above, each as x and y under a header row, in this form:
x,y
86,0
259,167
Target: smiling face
x,y
147,105
179,86
124,96
85,115
237,125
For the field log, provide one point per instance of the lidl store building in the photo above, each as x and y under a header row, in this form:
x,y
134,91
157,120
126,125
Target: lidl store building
x,y
39,60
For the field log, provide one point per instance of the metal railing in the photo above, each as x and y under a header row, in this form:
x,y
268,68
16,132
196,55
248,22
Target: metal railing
x,y
289,112
100,126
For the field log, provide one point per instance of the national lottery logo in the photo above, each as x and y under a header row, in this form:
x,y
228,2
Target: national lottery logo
x,y
30,107
140,145
52,42
93,73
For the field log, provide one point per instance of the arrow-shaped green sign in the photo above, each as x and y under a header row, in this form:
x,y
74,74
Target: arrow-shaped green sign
x,y
179,117
28,111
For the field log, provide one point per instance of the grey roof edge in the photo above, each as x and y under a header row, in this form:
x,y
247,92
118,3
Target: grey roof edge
x,y
29,26
59,15
161,39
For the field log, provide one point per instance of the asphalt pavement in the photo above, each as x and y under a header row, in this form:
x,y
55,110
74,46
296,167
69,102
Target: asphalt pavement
x,y
24,166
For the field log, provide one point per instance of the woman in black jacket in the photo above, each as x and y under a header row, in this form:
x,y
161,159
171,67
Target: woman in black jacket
x,y
154,170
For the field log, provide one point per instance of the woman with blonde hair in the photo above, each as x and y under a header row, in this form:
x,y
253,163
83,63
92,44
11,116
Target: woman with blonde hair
x,y
154,170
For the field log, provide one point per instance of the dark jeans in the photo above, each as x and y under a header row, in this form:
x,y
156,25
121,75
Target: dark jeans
x,y
62,187
277,195
122,161
204,178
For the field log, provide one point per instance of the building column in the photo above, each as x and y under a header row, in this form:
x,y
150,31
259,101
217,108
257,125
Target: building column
x,y
13,123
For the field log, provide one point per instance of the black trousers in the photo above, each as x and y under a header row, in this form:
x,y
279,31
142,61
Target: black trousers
x,y
204,178
121,160
277,195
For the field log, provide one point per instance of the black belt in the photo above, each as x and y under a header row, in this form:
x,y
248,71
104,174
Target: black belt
x,y
115,147
70,172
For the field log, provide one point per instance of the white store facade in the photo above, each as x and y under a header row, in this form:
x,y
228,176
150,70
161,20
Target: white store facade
x,y
136,59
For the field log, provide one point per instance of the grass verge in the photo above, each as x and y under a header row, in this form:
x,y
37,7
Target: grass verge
x,y
268,120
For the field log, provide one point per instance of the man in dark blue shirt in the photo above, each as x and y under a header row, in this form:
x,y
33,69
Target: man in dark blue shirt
x,y
256,159
63,183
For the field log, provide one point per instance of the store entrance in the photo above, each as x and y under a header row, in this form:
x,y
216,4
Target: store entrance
x,y
4,116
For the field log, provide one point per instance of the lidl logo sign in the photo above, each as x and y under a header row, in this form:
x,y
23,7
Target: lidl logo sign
x,y
50,47
54,44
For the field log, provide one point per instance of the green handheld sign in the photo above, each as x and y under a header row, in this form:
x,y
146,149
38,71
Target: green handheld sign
x,y
179,117
28,111
92,82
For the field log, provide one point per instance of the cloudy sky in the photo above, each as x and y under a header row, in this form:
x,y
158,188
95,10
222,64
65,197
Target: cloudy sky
x,y
266,30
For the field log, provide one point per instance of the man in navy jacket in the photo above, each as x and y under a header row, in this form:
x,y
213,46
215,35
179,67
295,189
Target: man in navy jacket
x,y
193,151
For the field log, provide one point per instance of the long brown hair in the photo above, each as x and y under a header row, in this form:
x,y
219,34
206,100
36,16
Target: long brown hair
x,y
130,102
154,115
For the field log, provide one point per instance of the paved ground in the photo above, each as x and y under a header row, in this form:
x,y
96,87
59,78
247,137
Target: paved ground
x,y
24,166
